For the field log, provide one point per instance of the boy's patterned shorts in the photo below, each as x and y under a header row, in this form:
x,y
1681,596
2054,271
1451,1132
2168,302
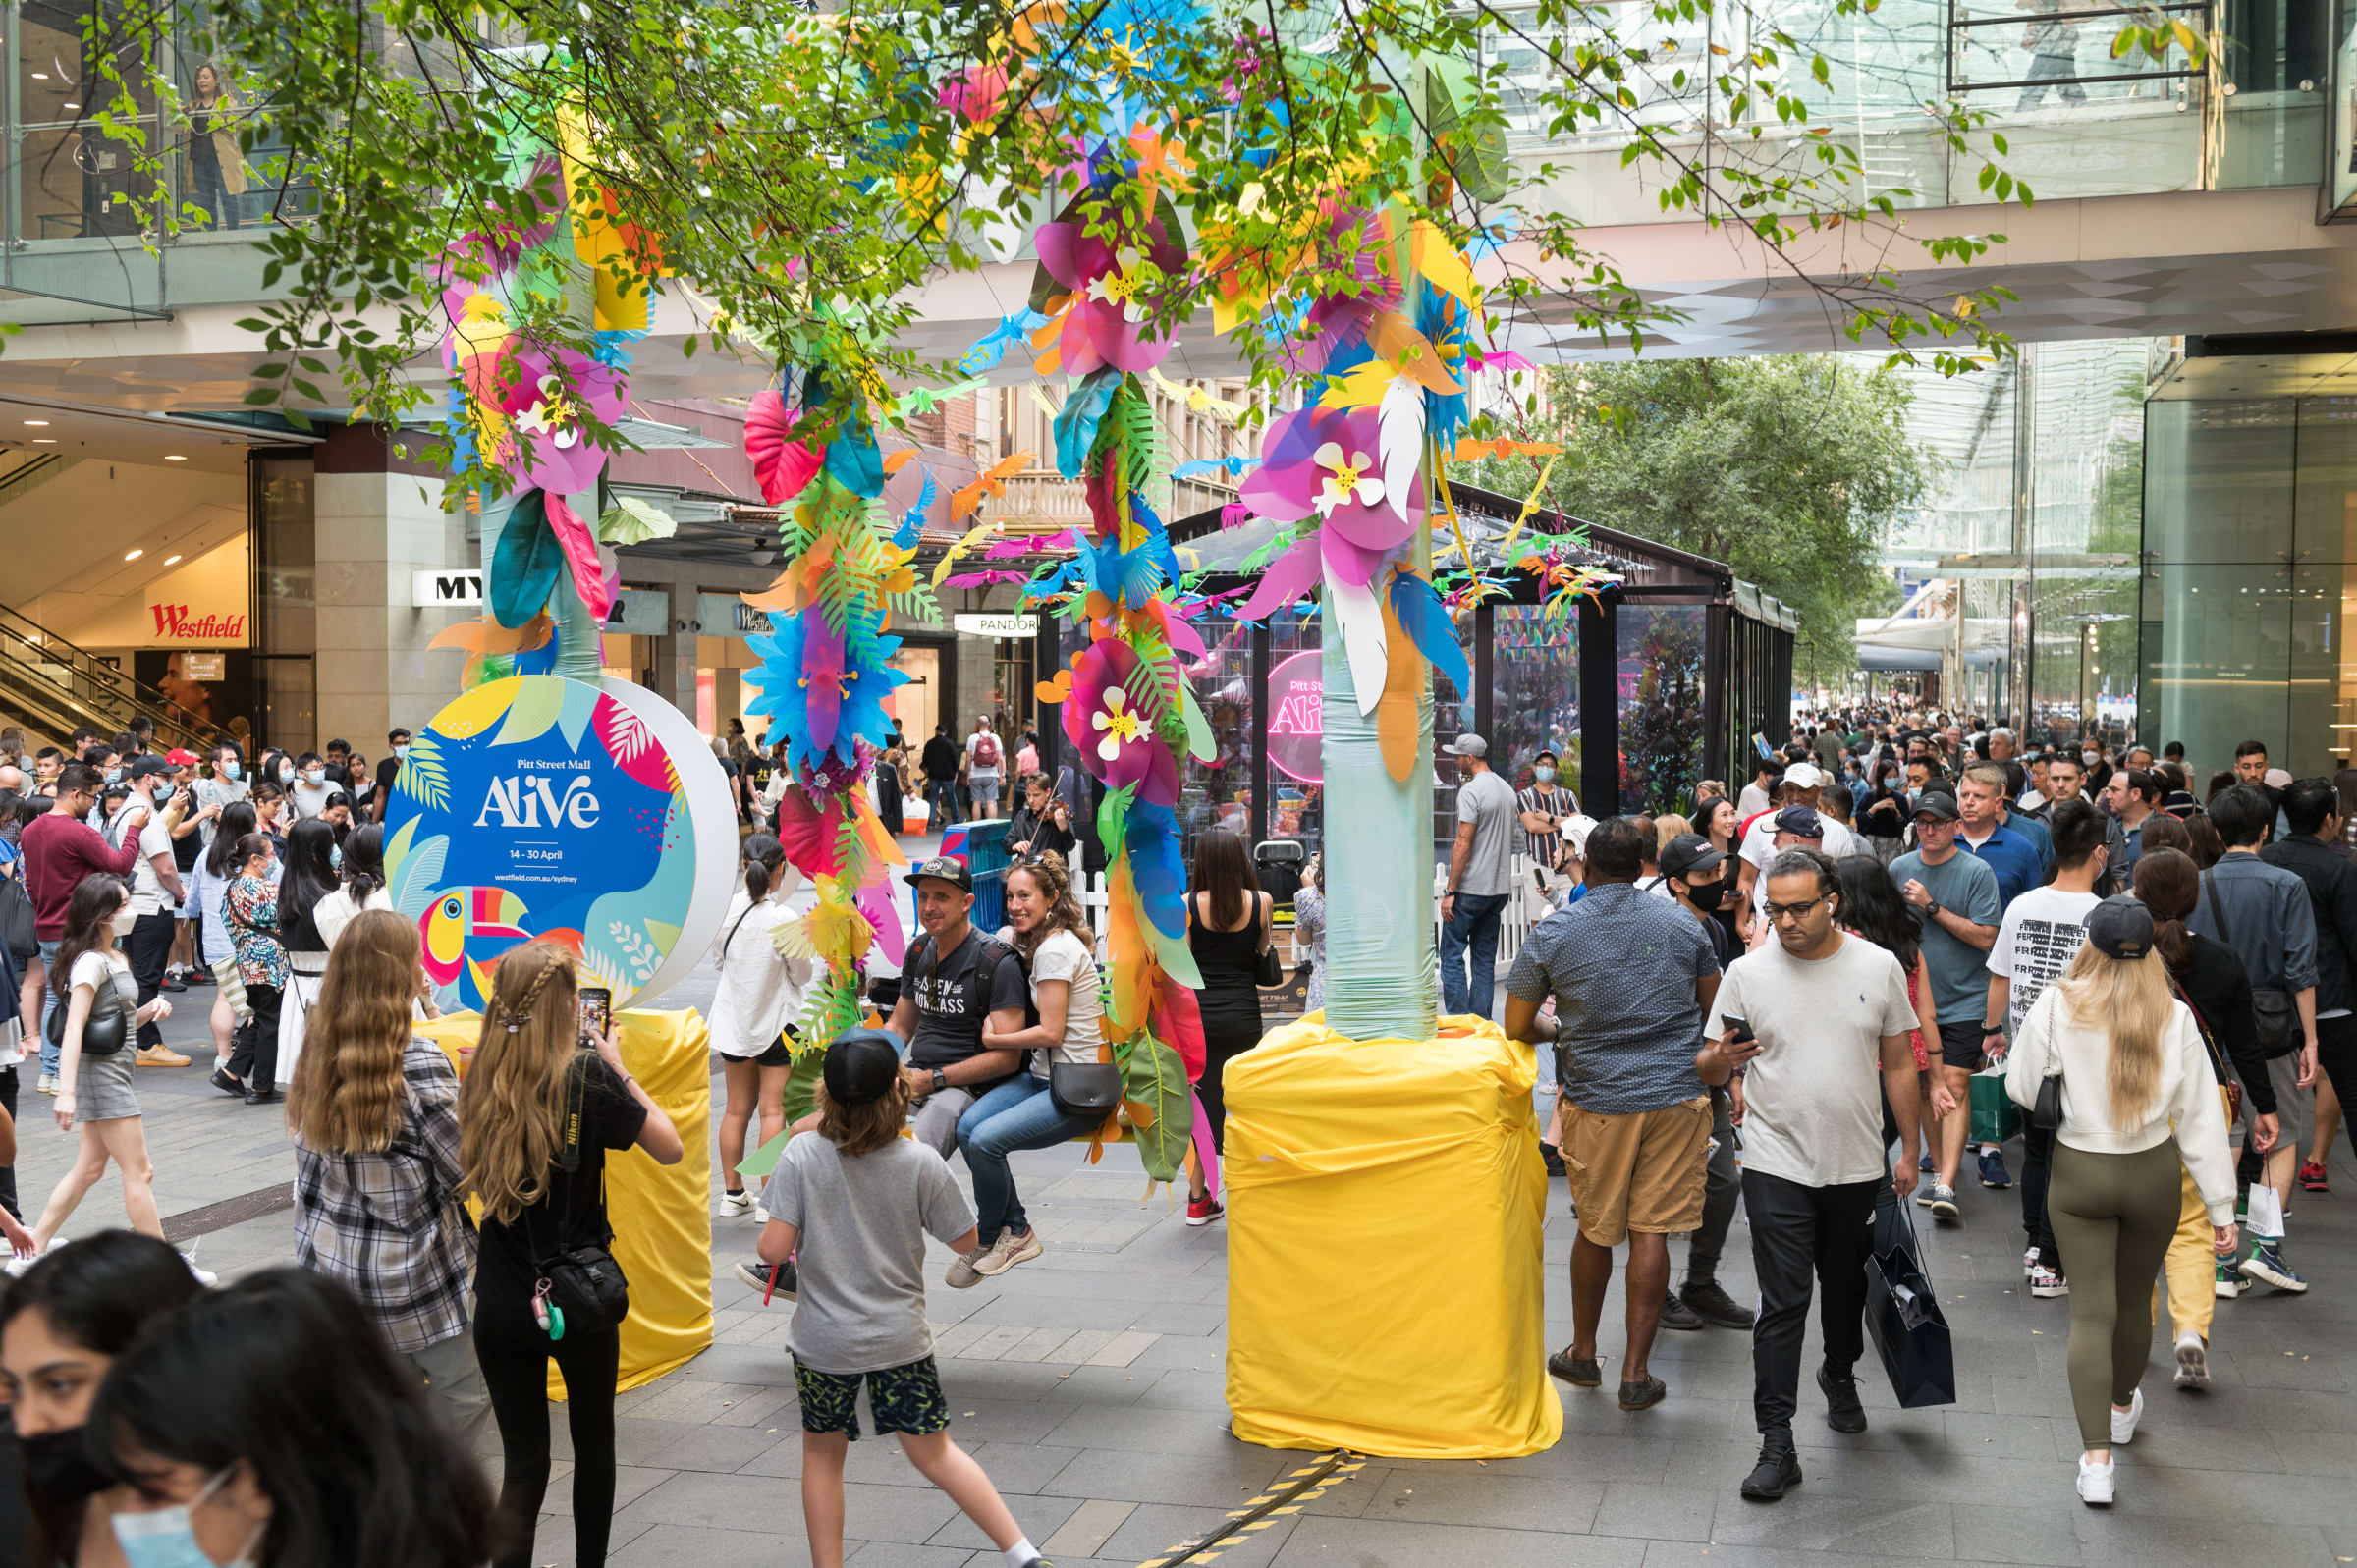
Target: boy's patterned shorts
x,y
904,1398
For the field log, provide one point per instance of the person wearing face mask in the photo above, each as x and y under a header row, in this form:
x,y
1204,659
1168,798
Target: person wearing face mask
x,y
1696,876
252,907
272,815
62,1324
270,1426
396,752
99,1013
60,850
308,786
223,788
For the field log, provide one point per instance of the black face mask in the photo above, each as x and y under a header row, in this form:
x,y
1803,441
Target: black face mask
x,y
1705,895
57,1466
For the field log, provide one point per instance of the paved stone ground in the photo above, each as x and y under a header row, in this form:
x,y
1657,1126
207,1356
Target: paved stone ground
x,y
1089,1383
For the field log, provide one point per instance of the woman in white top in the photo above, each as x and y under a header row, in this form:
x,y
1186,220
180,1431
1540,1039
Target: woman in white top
x,y
360,862
1047,928
2137,1096
753,1011
209,888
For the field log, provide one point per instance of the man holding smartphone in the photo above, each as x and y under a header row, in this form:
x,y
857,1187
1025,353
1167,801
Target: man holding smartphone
x,y
1828,1015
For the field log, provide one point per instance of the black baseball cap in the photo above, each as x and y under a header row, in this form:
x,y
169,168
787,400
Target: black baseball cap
x,y
862,1064
148,767
1802,821
945,868
2121,927
1936,803
1688,853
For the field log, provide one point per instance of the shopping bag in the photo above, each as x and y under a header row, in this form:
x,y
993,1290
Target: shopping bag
x,y
1902,1311
1995,1115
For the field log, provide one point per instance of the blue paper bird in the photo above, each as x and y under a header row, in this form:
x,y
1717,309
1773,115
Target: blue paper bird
x,y
912,521
992,345
1235,468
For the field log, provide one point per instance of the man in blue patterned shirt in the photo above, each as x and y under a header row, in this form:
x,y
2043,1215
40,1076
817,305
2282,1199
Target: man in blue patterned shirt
x,y
1632,978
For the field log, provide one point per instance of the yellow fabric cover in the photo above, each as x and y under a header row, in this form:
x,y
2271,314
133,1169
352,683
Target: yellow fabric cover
x,y
662,1215
1385,1282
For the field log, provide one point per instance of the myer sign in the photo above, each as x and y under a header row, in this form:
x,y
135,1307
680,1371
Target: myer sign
x,y
430,590
996,624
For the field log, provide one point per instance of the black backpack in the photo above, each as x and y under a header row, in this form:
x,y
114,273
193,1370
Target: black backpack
x,y
977,979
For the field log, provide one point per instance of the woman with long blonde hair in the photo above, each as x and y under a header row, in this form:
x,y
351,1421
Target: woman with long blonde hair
x,y
543,1194
373,1111
2136,1095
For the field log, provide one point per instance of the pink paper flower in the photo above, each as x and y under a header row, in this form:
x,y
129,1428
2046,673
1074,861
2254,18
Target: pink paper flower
x,y
1115,740
1115,288
544,404
1317,461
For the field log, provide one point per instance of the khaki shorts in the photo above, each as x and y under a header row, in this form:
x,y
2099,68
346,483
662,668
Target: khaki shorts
x,y
1637,1172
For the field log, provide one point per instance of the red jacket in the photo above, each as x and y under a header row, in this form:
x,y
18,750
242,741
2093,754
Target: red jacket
x,y
59,852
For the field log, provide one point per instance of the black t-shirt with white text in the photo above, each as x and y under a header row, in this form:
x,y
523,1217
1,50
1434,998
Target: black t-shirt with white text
x,y
951,1001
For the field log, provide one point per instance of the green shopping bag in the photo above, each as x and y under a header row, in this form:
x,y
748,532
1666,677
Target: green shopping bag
x,y
1995,1115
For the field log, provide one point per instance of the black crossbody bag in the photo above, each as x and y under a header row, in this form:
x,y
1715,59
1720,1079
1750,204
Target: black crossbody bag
x,y
584,1280
2277,1016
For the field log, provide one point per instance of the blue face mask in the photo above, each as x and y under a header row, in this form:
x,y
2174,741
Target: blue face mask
x,y
1543,775
335,856
167,1537
232,772
114,776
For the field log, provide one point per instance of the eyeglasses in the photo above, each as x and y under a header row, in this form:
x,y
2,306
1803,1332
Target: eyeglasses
x,y
1793,911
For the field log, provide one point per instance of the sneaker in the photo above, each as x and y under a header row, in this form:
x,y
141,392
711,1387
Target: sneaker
x,y
1203,1212
1943,1202
48,1085
173,981
2095,1482
1993,1170
204,1276
1675,1314
1007,1251
198,977
772,1279
2048,1283
2123,1422
760,1214
1776,1472
1925,1163
732,1204
2313,1177
1843,1410
2029,1263
2193,1361
1554,1158
1715,1305
965,1269
1644,1394
2230,1282
159,1057
2266,1263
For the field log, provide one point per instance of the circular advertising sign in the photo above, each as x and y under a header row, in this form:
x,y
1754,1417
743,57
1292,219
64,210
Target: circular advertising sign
x,y
588,813
1296,699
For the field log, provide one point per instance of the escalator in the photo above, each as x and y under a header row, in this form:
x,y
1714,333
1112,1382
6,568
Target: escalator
x,y
51,687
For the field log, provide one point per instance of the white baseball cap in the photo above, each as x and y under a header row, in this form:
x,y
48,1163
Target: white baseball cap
x,y
1804,775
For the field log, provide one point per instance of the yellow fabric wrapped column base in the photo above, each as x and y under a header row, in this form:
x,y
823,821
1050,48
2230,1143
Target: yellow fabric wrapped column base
x,y
662,1215
1384,1281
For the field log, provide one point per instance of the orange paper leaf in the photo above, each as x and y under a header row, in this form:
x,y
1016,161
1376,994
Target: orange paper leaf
x,y
1396,709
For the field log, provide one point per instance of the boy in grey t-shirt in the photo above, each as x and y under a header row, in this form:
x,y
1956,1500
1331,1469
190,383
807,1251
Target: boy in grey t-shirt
x,y
852,1204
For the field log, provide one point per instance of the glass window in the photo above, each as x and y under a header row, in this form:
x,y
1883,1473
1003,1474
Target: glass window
x,y
1661,704
1534,665
1219,794
1297,721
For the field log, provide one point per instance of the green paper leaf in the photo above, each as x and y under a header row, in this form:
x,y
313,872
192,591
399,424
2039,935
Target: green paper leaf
x,y
1199,742
524,568
632,521
538,702
1153,1076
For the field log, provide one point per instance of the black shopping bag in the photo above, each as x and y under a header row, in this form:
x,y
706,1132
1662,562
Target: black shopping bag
x,y
1902,1311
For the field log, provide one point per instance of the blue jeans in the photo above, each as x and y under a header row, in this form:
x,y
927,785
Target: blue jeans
x,y
942,795
1473,926
1019,1114
49,1052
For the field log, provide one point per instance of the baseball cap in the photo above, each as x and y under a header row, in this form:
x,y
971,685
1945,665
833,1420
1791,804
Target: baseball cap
x,y
1937,803
2121,927
1468,745
862,1064
2179,804
2275,779
1575,831
1804,775
147,768
1800,819
1688,853
180,757
946,868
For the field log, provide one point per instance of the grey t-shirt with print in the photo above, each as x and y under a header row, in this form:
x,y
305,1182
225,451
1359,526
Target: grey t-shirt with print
x,y
861,1258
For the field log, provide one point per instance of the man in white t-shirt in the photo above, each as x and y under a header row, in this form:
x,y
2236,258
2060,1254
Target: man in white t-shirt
x,y
310,790
156,894
2041,934
1799,824
1828,1016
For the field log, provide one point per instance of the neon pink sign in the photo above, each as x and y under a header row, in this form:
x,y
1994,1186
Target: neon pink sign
x,y
1296,699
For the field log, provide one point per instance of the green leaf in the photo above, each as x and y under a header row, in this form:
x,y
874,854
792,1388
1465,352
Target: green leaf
x,y
526,566
634,522
1154,1082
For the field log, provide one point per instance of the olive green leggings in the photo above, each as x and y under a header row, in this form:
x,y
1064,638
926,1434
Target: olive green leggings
x,y
2114,1216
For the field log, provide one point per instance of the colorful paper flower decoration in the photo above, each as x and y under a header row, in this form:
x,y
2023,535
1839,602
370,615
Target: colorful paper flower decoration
x,y
1112,283
1116,742
546,439
1304,461
824,691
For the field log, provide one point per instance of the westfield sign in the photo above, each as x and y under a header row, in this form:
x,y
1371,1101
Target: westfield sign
x,y
175,623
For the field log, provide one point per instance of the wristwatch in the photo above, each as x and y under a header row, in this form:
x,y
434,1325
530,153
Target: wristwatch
x,y
940,1080
1931,909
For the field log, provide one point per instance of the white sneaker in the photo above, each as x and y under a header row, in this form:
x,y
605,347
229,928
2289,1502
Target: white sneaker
x,y
2123,1422
2095,1482
2193,1361
47,1084
732,1204
2047,1283
17,1266
204,1276
760,1214
2029,1263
